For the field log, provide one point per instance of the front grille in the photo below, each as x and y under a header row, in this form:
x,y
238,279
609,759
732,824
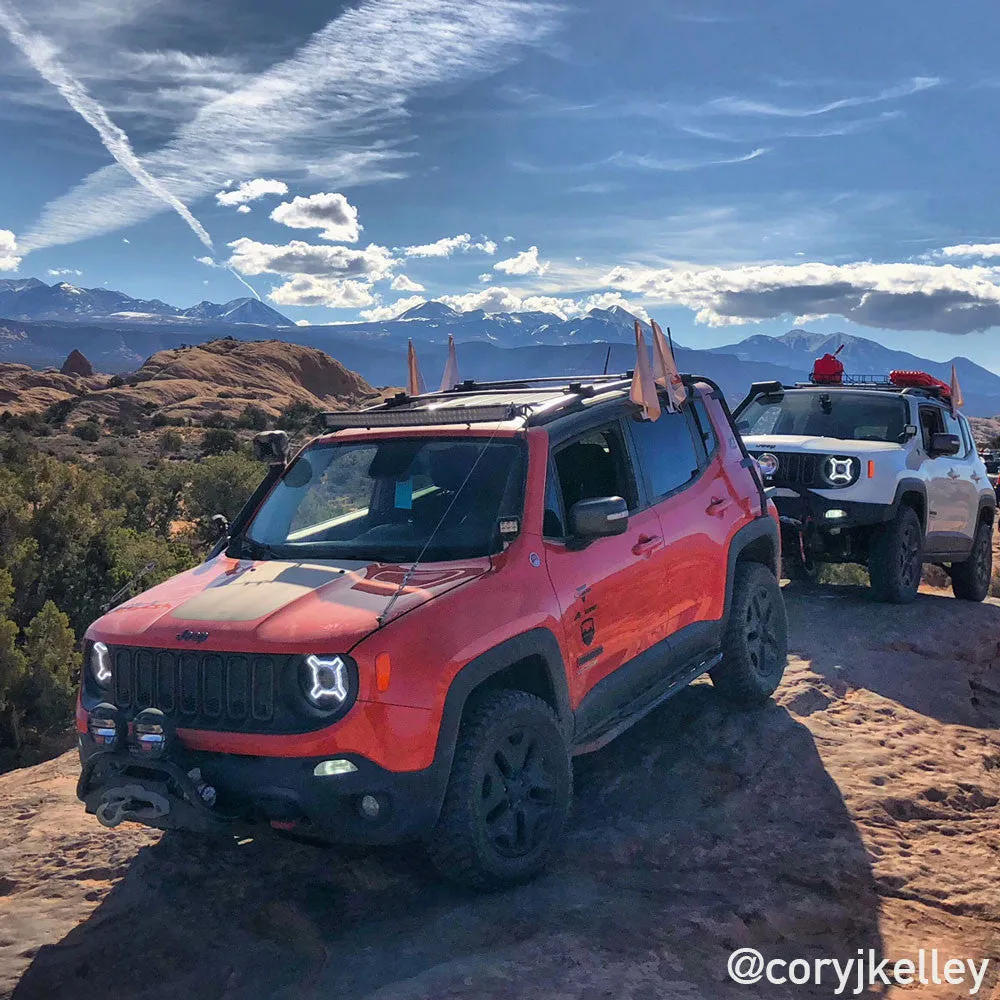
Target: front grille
x,y
195,689
794,468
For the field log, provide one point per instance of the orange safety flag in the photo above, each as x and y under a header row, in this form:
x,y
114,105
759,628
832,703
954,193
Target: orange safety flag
x,y
643,392
665,369
450,378
957,399
414,380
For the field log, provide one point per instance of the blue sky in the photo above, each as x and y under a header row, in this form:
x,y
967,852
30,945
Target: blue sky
x,y
730,168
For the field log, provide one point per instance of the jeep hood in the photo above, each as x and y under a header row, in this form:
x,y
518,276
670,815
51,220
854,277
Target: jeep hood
x,y
817,445
276,605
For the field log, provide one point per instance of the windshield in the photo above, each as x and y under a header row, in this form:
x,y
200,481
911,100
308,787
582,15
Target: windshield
x,y
382,501
850,416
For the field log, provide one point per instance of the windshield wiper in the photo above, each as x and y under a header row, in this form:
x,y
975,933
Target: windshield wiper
x,y
252,549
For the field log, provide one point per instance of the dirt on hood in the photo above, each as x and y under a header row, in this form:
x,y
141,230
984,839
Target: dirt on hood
x,y
859,810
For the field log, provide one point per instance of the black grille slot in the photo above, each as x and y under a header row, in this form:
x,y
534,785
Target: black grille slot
x,y
238,688
190,684
229,691
212,670
263,689
123,678
166,682
144,678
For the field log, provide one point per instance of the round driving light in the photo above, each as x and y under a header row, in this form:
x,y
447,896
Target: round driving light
x,y
768,464
835,514
106,726
100,664
326,681
370,807
149,733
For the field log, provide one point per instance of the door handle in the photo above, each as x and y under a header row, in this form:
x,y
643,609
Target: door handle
x,y
952,474
646,544
976,478
717,505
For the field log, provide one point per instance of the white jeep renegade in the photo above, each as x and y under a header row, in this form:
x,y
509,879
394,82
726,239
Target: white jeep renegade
x,y
878,473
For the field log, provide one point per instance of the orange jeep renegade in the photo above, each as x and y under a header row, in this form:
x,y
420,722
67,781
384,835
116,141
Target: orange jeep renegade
x,y
415,623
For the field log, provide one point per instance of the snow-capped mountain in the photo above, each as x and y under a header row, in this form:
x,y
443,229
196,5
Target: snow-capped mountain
x,y
31,299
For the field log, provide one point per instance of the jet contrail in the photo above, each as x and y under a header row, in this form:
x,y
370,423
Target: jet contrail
x,y
42,54
243,281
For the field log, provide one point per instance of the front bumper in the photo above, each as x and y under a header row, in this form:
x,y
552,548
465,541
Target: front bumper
x,y
278,791
810,509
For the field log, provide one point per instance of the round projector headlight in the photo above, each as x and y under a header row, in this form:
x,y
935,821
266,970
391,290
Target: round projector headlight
x,y
329,683
840,470
768,465
100,664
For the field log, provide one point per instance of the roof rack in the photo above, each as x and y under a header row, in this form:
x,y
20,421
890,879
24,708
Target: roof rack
x,y
880,382
533,400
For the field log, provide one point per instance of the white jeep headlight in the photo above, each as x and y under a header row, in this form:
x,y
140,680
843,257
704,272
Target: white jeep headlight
x,y
100,664
768,464
840,470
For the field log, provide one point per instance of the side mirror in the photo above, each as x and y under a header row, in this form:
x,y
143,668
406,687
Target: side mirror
x,y
910,431
944,444
271,447
598,518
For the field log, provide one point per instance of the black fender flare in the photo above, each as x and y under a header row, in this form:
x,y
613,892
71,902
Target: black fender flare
x,y
762,527
987,504
537,642
905,486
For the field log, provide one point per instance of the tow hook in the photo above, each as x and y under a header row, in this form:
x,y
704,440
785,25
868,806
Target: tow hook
x,y
130,802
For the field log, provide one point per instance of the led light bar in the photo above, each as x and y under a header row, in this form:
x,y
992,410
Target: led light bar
x,y
399,417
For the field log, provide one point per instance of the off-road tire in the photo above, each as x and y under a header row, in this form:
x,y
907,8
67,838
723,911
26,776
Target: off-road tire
x,y
895,560
970,580
755,641
491,790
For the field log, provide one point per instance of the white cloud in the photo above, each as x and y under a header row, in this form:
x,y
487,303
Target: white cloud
x,y
972,250
448,245
41,53
942,297
251,190
244,209
311,290
379,314
508,239
302,322
9,260
59,272
298,259
402,283
486,277
526,262
326,110
332,213
125,239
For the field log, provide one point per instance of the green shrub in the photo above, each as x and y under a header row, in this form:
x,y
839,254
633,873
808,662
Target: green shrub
x,y
89,430
219,440
252,418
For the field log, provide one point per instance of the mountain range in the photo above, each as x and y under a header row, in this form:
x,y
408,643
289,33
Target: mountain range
x,y
117,333
31,299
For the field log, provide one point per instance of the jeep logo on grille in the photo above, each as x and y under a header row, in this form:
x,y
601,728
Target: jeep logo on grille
x,y
188,636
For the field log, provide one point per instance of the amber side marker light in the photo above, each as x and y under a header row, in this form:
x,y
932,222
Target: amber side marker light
x,y
871,469
383,668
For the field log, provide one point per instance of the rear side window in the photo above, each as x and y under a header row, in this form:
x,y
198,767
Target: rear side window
x,y
666,452
705,426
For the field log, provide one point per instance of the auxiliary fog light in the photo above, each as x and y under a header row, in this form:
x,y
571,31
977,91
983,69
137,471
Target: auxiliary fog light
x,y
768,464
370,807
835,514
149,733
106,726
330,768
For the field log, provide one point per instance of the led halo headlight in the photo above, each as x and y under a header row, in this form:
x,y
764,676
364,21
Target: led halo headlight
x,y
840,470
328,683
100,665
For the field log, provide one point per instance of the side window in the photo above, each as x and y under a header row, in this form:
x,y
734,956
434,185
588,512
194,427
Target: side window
x,y
952,425
666,452
552,520
970,444
930,423
595,465
705,426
